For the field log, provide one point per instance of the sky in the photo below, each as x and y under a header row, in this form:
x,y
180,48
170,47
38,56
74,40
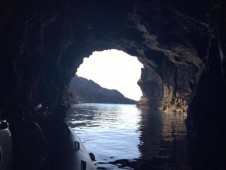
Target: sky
x,y
113,69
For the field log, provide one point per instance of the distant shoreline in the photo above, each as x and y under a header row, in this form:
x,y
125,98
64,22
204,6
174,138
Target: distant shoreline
x,y
82,90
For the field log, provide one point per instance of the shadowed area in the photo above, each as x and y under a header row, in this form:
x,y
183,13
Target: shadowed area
x,y
42,140
181,45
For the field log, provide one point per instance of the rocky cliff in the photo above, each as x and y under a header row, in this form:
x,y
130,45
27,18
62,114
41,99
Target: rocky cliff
x,y
82,90
182,45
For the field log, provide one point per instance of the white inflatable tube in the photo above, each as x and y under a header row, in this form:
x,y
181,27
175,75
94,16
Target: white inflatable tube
x,y
82,157
5,149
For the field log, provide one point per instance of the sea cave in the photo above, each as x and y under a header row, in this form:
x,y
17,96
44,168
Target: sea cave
x,y
181,45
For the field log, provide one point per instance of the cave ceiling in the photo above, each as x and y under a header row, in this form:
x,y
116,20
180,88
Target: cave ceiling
x,y
182,45
42,44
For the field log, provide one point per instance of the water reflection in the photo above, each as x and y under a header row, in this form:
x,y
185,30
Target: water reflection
x,y
125,137
150,133
163,144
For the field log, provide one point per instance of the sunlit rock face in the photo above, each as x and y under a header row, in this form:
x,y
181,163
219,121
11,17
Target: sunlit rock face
x,y
151,87
182,43
169,85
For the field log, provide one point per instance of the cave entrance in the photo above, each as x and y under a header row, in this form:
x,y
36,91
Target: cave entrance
x,y
111,69
108,128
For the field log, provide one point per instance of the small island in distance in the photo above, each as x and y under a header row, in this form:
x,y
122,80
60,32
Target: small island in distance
x,y
82,90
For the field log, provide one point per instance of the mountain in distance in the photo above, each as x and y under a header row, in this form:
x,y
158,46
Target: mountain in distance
x,y
82,90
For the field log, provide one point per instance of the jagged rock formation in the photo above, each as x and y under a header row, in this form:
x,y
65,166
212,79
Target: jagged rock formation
x,y
184,43
82,90
151,87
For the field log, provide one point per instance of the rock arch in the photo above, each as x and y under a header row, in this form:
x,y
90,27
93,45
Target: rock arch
x,y
182,43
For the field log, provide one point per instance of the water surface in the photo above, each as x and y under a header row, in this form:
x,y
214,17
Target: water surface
x,y
125,137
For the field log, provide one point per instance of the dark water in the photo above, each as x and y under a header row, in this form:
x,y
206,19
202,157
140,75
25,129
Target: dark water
x,y
125,137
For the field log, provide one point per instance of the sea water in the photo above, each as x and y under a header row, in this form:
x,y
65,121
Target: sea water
x,y
123,136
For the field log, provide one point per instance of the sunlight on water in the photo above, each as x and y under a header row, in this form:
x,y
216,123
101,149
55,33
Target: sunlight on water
x,y
117,133
104,126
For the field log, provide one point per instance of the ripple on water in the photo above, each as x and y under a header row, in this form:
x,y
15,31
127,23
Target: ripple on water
x,y
125,137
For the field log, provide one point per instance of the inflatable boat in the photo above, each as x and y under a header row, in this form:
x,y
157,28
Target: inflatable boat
x,y
83,159
80,159
5,146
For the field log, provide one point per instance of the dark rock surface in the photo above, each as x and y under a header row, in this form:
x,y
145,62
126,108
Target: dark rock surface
x,y
152,88
183,42
82,90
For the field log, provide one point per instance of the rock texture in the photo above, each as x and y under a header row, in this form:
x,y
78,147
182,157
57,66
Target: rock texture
x,y
182,42
82,90
152,88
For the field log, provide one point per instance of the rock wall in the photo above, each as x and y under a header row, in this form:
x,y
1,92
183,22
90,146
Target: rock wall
x,y
182,43
152,89
44,43
171,84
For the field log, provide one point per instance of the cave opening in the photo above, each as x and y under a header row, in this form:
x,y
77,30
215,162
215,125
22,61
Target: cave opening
x,y
108,130
100,125
43,42
115,71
